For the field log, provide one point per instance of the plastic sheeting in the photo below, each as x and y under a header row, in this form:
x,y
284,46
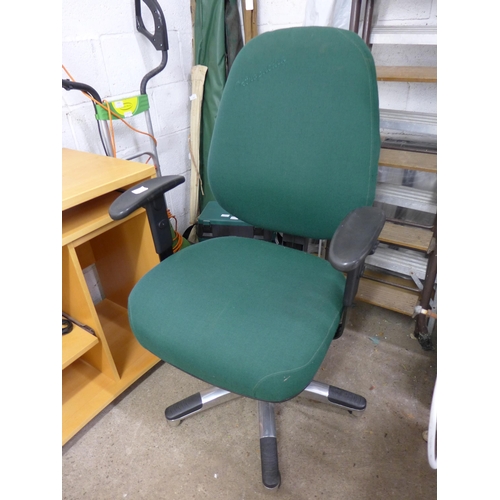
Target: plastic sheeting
x,y
336,13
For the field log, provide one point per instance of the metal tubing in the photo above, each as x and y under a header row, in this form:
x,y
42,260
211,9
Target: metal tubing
x,y
154,72
421,331
148,153
317,391
106,137
367,22
151,133
213,396
267,421
355,13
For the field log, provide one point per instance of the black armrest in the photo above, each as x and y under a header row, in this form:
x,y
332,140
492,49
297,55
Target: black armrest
x,y
355,239
150,195
141,194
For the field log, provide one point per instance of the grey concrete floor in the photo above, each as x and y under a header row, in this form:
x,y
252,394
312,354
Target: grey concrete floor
x,y
130,452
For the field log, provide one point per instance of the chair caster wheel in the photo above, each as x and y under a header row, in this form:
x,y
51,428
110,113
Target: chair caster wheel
x,y
269,458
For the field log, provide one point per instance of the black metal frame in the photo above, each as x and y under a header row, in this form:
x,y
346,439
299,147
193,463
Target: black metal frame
x,y
356,8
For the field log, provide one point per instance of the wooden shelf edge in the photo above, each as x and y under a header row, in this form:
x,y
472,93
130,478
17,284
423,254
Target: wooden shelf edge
x,y
415,238
82,169
419,74
75,344
408,160
90,219
388,297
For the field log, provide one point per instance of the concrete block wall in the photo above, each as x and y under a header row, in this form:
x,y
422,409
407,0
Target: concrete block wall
x,y
102,48
398,95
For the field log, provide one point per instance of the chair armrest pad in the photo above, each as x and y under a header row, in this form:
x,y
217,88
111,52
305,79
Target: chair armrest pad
x,y
355,238
141,194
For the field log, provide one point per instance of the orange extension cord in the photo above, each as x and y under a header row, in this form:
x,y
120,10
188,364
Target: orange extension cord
x,y
177,240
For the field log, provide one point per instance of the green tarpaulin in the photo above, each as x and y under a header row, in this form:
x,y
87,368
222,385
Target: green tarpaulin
x,y
218,39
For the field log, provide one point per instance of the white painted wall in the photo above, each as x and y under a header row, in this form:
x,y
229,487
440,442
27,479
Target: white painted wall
x,y
101,47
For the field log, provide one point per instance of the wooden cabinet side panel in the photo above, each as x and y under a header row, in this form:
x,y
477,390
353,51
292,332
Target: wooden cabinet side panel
x,y
123,255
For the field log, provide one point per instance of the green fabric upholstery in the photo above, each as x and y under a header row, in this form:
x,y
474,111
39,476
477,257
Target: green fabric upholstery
x,y
244,315
296,142
295,148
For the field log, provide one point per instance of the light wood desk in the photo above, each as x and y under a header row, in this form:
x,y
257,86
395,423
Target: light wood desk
x,y
97,368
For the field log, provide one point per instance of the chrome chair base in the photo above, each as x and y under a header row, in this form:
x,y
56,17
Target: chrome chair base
x,y
214,396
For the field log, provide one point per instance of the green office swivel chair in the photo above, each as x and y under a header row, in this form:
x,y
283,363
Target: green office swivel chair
x,y
295,149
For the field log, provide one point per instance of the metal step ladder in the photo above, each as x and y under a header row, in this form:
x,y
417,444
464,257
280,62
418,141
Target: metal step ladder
x,y
404,247
411,122
404,35
401,274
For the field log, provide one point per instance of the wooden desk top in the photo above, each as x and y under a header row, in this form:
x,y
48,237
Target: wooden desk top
x,y
86,176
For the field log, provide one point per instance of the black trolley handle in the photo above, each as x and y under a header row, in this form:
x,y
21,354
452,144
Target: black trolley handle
x,y
159,38
69,85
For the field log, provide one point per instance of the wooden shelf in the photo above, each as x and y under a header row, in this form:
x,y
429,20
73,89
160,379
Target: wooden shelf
x,y
409,160
390,279
406,236
423,74
87,176
96,369
387,296
86,391
87,217
131,359
75,344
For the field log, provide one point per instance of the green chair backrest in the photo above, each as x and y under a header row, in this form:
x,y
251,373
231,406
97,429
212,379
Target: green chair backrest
x,y
296,141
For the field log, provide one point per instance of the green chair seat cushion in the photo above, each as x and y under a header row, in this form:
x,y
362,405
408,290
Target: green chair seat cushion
x,y
241,314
